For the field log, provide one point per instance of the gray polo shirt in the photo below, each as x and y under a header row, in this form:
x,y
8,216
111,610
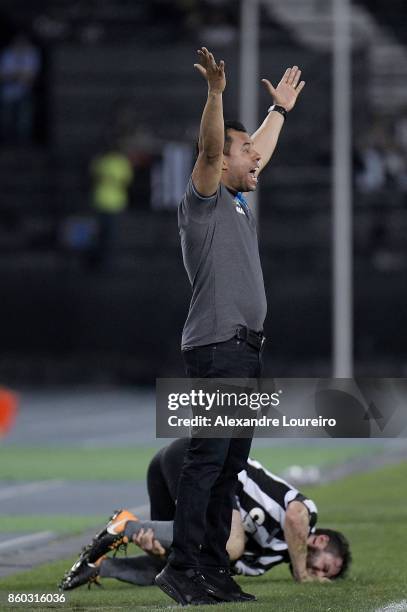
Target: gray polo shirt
x,y
221,257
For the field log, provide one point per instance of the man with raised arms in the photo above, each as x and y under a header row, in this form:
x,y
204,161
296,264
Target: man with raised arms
x,y
223,333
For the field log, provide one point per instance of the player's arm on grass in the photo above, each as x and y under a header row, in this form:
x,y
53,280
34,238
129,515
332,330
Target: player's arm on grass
x,y
237,539
147,541
296,531
207,171
285,95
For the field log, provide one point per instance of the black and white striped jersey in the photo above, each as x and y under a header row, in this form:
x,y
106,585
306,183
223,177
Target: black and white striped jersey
x,y
262,499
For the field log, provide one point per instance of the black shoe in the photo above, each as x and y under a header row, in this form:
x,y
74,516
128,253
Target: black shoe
x,y
221,585
81,573
184,586
110,538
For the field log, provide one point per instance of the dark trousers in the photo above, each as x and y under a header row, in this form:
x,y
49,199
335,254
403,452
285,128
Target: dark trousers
x,y
162,479
208,479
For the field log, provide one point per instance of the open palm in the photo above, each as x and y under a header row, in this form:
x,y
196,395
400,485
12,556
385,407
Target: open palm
x,y
288,89
211,71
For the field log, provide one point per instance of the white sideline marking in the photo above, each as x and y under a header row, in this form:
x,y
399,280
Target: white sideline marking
x,y
29,488
23,541
394,606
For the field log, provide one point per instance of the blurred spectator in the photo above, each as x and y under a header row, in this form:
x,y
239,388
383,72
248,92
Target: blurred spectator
x,y
380,161
371,175
142,145
20,64
170,175
112,175
381,175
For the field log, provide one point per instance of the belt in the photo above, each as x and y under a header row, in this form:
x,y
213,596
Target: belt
x,y
251,337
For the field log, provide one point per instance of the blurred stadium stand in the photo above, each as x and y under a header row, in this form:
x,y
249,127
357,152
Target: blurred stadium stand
x,y
63,321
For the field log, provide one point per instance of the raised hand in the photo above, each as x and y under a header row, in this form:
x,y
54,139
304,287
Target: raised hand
x,y
212,72
288,89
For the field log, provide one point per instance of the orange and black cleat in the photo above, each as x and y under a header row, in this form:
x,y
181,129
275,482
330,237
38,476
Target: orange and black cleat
x,y
111,538
81,573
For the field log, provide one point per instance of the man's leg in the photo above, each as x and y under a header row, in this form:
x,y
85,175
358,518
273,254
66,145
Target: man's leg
x,y
203,464
181,578
162,483
208,473
234,359
220,507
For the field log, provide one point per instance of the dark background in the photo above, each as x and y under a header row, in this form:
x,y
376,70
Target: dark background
x,y
111,66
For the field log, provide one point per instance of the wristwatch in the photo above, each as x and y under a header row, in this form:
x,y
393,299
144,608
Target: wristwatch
x,y
278,109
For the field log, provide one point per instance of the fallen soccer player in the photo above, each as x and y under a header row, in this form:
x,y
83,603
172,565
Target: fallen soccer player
x,y
272,523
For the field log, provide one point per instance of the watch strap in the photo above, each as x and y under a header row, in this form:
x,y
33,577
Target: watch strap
x,y
278,109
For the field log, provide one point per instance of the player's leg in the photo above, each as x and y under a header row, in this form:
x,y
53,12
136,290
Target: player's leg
x,y
111,537
162,503
119,531
172,460
140,570
162,483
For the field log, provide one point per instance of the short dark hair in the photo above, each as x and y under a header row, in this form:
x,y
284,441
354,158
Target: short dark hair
x,y
227,125
338,545
231,125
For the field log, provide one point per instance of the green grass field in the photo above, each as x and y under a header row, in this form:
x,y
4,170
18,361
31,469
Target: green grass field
x,y
22,463
371,509
27,464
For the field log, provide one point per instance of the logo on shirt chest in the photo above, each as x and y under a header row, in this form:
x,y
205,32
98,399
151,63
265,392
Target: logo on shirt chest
x,y
239,207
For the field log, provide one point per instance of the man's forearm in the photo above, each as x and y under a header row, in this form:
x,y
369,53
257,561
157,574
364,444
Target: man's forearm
x,y
211,134
296,531
265,138
163,530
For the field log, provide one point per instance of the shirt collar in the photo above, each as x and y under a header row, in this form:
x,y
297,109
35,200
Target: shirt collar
x,y
238,195
241,199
